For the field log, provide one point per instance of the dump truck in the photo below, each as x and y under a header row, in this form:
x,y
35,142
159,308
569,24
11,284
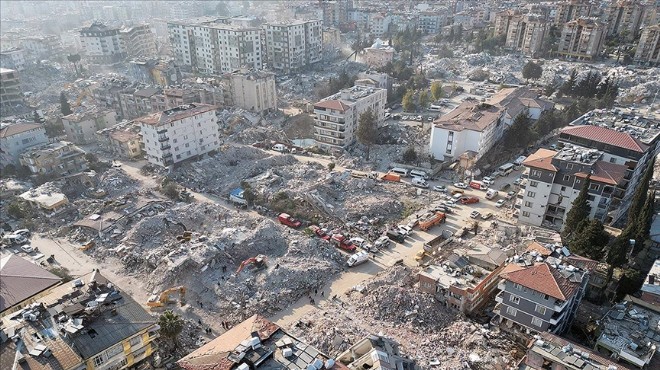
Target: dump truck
x,y
286,219
162,299
391,177
437,242
437,218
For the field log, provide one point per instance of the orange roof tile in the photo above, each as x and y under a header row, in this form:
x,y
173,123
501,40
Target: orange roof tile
x,y
606,172
535,246
332,104
607,136
542,159
544,279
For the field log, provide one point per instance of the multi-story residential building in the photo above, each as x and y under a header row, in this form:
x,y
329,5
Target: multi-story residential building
x,y
615,161
549,351
504,20
379,54
81,127
519,100
122,140
337,116
13,58
651,288
539,291
375,352
336,12
628,332
431,22
572,10
380,80
54,160
16,138
41,47
379,25
10,89
582,39
103,329
141,102
332,37
293,46
466,279
470,127
138,41
102,44
624,16
229,350
648,48
180,133
215,46
253,90
526,34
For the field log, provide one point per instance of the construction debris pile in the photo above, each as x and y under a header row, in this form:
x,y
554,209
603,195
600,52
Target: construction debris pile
x,y
427,331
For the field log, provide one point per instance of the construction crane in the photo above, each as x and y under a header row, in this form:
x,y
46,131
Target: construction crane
x,y
163,299
85,93
258,261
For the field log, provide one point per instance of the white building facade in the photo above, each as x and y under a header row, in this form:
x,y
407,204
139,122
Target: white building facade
x,y
253,90
102,44
293,46
16,138
177,134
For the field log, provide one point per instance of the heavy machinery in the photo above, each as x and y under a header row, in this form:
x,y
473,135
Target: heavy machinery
x,y
259,262
186,236
437,218
164,297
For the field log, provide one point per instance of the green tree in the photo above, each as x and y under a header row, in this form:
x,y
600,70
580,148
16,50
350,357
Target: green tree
x,y
248,192
367,131
408,101
520,133
410,155
65,107
631,281
171,190
16,211
578,216
331,166
436,90
423,99
171,326
74,59
568,87
590,241
639,197
644,222
617,253
532,71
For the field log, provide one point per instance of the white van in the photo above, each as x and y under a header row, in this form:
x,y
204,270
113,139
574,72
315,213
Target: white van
x,y
279,148
420,182
418,173
400,171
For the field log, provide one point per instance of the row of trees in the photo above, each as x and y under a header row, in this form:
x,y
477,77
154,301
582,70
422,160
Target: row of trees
x,y
592,85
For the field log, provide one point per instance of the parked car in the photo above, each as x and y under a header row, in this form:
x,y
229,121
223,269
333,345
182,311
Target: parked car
x,y
475,214
340,241
461,185
486,216
23,232
395,234
517,181
405,229
279,148
321,233
500,203
510,195
440,188
488,180
27,248
382,242
358,241
457,191
469,200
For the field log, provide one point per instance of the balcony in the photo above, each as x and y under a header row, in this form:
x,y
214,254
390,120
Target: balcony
x,y
165,146
167,155
163,131
163,138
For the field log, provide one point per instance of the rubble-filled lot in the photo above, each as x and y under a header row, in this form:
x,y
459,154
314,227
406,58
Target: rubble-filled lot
x,y
427,331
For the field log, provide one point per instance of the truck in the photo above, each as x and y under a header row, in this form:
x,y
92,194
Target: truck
x,y
437,242
479,185
391,177
437,218
286,219
419,182
358,258
340,241
363,175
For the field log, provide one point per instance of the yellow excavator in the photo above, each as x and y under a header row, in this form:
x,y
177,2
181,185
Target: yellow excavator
x,y
164,297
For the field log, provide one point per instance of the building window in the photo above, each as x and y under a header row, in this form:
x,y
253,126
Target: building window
x,y
567,177
612,160
99,360
531,194
569,166
515,299
528,204
511,311
540,309
536,321
517,286
525,214
536,173
595,187
533,184
135,340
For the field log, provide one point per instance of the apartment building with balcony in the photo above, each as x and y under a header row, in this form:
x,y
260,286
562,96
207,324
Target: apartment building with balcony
x,y
648,48
504,20
431,22
338,115
252,90
294,45
81,127
122,140
539,291
582,39
180,133
467,279
102,44
215,45
624,16
10,89
55,160
41,47
470,127
138,41
526,34
16,138
571,10
13,58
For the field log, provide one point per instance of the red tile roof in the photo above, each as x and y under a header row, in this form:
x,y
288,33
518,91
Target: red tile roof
x,y
606,172
542,159
535,246
18,128
606,136
21,280
544,279
332,104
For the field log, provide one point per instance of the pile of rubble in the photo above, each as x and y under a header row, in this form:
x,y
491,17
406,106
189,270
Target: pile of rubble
x,y
427,331
116,182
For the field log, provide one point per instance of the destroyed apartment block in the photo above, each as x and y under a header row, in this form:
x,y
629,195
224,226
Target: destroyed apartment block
x,y
376,352
55,160
540,290
85,323
81,127
48,198
630,332
17,138
122,140
257,343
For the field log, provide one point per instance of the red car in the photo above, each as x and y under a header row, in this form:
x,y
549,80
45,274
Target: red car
x,y
319,232
469,200
286,219
340,241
